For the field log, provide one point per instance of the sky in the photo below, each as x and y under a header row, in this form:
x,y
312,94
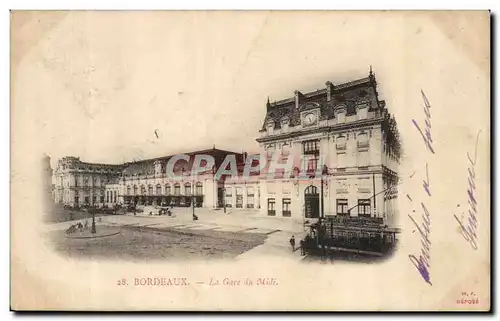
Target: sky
x,y
111,87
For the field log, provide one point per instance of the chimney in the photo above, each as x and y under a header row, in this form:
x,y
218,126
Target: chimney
x,y
328,91
297,93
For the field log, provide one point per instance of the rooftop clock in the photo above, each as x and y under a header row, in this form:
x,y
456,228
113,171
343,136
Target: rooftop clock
x,y
309,119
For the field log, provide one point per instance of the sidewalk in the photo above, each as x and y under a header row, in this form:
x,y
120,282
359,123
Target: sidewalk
x,y
234,218
276,246
237,221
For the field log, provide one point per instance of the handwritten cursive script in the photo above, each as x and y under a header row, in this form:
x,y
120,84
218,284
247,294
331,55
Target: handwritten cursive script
x,y
469,229
422,263
427,137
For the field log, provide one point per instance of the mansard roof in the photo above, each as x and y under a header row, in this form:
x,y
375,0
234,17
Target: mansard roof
x,y
147,166
362,90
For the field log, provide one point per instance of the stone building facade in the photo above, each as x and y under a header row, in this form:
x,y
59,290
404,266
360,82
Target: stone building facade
x,y
80,183
141,183
147,183
346,134
340,145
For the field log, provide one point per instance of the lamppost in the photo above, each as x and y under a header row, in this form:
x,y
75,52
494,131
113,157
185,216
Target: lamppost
x,y
93,222
224,199
323,172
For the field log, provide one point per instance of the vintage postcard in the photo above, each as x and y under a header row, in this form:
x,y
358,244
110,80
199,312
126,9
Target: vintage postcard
x,y
250,160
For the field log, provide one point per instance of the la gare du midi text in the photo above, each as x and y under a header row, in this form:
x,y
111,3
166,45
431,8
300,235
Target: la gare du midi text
x,y
176,282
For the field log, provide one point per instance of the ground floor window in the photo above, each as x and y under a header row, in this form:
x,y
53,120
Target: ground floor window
x,y
342,206
102,198
271,210
286,207
239,197
250,201
199,189
250,197
364,207
229,198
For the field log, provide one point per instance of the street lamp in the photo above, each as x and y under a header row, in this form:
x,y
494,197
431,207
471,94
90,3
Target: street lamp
x,y
93,222
224,199
323,172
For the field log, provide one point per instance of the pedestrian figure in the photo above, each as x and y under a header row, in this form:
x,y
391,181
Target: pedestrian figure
x,y
86,224
302,248
292,243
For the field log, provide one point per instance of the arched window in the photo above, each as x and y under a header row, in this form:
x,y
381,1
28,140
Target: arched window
x,y
135,190
187,189
150,190
199,188
158,189
143,190
310,190
128,190
177,189
167,189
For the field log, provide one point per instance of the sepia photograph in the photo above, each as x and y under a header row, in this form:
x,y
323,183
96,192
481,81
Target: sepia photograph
x,y
250,160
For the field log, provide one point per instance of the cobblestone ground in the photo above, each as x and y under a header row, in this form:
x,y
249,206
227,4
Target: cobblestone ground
x,y
142,243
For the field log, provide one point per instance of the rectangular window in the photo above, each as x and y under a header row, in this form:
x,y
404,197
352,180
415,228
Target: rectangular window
x,y
312,164
271,210
199,189
363,158
364,207
341,143
342,206
250,197
239,197
311,147
341,160
286,207
229,197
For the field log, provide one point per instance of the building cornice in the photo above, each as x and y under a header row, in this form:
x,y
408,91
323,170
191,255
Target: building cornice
x,y
323,129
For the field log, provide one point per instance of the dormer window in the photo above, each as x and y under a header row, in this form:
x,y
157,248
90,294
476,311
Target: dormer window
x,y
270,127
362,111
340,113
285,121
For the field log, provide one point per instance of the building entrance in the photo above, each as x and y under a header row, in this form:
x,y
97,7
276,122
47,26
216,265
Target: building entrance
x,y
311,197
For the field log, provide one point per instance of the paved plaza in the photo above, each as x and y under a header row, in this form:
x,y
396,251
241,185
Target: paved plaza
x,y
236,234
